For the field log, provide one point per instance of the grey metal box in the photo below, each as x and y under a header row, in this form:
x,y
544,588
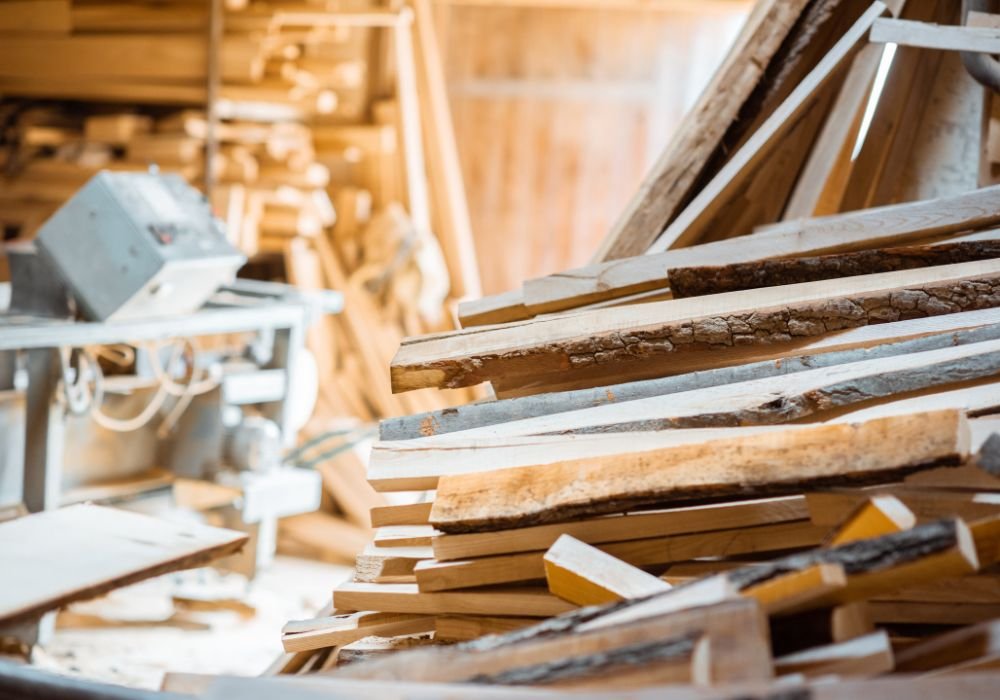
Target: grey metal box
x,y
138,245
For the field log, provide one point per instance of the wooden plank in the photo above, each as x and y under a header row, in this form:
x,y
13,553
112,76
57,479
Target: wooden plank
x,y
407,598
667,186
771,315
879,515
585,575
389,564
690,223
856,230
868,342
462,628
828,162
49,558
870,655
736,656
696,281
414,466
935,36
954,647
762,402
798,589
618,528
495,308
404,536
408,514
878,566
648,552
831,507
880,450
449,208
337,630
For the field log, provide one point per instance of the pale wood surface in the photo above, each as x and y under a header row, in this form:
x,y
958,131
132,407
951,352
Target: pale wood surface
x,y
878,449
54,558
576,341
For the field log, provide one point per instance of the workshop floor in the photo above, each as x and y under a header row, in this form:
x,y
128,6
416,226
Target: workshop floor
x,y
136,634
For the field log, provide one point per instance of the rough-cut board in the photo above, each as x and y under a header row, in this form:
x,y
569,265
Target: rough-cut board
x,y
697,281
691,223
933,36
882,565
857,230
951,648
57,557
736,656
768,401
337,630
854,345
667,186
829,508
630,526
878,450
772,315
406,598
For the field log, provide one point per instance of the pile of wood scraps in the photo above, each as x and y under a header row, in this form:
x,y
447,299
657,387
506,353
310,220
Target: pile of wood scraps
x,y
736,460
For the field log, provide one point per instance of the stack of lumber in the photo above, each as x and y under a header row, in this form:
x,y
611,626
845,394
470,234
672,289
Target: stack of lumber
x,y
323,141
734,461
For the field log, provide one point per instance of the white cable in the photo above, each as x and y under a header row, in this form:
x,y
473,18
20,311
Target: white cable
x,y
129,424
192,388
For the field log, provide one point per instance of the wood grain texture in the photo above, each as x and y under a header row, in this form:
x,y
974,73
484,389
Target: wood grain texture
x,y
696,281
58,557
852,231
772,315
878,450
859,388
667,186
853,345
629,526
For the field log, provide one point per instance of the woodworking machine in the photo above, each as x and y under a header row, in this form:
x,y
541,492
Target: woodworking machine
x,y
102,387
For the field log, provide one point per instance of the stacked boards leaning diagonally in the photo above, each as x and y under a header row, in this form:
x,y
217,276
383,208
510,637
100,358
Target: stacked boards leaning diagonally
x,y
754,445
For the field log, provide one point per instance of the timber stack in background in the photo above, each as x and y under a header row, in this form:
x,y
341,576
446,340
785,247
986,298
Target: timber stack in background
x,y
755,445
327,150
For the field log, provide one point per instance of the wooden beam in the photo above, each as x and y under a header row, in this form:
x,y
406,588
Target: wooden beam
x,y
690,223
925,35
879,515
49,560
585,575
771,315
853,345
697,281
668,185
389,564
462,628
895,224
879,450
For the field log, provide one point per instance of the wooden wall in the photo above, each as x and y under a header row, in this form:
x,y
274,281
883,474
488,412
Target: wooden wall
x,y
559,109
